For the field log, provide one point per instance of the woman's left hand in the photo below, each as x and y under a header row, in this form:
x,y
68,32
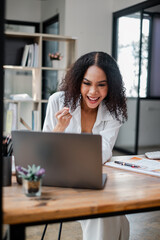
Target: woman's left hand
x,y
63,116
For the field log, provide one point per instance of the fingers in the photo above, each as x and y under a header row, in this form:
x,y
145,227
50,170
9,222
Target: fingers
x,y
65,109
67,116
63,116
62,112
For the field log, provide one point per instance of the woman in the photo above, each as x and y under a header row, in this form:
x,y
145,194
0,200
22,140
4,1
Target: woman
x,y
92,100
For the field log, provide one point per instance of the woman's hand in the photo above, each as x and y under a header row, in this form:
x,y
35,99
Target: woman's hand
x,y
63,116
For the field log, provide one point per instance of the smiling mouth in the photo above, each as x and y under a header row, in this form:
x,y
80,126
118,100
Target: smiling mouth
x,y
93,100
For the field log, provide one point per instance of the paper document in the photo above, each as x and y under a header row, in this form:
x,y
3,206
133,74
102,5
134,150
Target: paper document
x,y
21,97
137,164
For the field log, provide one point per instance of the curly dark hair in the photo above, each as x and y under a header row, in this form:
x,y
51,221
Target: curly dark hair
x,y
115,100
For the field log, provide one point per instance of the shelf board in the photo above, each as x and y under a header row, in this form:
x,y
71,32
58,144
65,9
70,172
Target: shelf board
x,y
44,101
54,69
18,101
12,67
22,34
19,68
53,37
45,37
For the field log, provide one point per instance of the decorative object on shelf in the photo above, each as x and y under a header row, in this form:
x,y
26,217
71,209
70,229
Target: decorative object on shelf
x,y
31,179
55,58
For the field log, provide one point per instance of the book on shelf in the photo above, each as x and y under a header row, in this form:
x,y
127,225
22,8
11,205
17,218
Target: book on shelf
x,y
11,118
36,52
35,120
30,55
25,56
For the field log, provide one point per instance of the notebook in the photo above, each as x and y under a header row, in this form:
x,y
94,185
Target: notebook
x,y
69,159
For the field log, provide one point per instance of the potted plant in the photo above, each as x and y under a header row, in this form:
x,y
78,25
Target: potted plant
x,y
31,179
55,58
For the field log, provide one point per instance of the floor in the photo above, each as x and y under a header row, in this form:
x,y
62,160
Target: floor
x,y
143,226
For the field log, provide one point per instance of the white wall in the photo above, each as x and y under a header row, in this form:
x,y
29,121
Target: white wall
x,y
23,10
120,4
91,22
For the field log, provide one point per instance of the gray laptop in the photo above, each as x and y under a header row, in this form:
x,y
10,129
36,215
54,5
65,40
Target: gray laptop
x,y
70,160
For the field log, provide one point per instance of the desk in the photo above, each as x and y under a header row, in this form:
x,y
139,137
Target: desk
x,y
125,192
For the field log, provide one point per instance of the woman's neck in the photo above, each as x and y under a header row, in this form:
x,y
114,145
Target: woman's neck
x,y
88,118
88,110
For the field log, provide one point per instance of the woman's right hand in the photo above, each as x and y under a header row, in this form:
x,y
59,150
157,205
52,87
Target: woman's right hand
x,y
63,116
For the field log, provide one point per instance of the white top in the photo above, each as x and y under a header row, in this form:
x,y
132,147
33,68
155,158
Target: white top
x,y
115,228
105,124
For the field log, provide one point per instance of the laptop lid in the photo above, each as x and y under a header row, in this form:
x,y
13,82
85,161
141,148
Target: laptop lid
x,y
69,159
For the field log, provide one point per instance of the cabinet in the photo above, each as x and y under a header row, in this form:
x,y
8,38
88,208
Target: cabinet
x,y
29,80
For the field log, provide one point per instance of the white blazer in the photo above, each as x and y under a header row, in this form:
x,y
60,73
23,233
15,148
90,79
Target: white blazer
x,y
105,124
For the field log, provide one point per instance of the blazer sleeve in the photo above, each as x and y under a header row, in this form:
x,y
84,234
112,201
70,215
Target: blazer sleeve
x,y
109,135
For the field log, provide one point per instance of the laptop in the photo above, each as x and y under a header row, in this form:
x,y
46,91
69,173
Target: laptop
x,y
69,159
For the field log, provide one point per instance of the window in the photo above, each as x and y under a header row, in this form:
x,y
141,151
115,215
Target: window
x,y
136,37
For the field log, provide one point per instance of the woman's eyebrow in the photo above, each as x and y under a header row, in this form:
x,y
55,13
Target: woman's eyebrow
x,y
102,81
98,81
86,79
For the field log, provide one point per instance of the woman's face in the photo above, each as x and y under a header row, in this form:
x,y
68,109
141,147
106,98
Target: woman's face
x,y
94,87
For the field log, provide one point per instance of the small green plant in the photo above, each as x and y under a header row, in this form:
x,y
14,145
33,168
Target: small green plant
x,y
33,173
51,91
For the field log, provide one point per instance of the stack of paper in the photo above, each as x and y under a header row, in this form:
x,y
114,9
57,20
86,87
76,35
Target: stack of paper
x,y
21,97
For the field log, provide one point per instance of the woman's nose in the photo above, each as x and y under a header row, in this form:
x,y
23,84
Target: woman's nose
x,y
93,90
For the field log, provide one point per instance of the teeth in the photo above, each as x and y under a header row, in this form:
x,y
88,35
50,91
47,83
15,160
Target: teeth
x,y
93,99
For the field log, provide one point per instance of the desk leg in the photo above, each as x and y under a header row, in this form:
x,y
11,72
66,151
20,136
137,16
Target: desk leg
x,y
16,232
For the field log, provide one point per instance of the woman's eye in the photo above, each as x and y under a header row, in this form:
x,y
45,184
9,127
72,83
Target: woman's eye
x,y
102,85
86,83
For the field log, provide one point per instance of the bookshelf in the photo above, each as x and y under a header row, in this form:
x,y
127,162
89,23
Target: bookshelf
x,y
29,80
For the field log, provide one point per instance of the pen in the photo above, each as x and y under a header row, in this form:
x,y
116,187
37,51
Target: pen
x,y
127,164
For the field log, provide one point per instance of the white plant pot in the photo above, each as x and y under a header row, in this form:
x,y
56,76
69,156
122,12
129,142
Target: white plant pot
x,y
55,64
